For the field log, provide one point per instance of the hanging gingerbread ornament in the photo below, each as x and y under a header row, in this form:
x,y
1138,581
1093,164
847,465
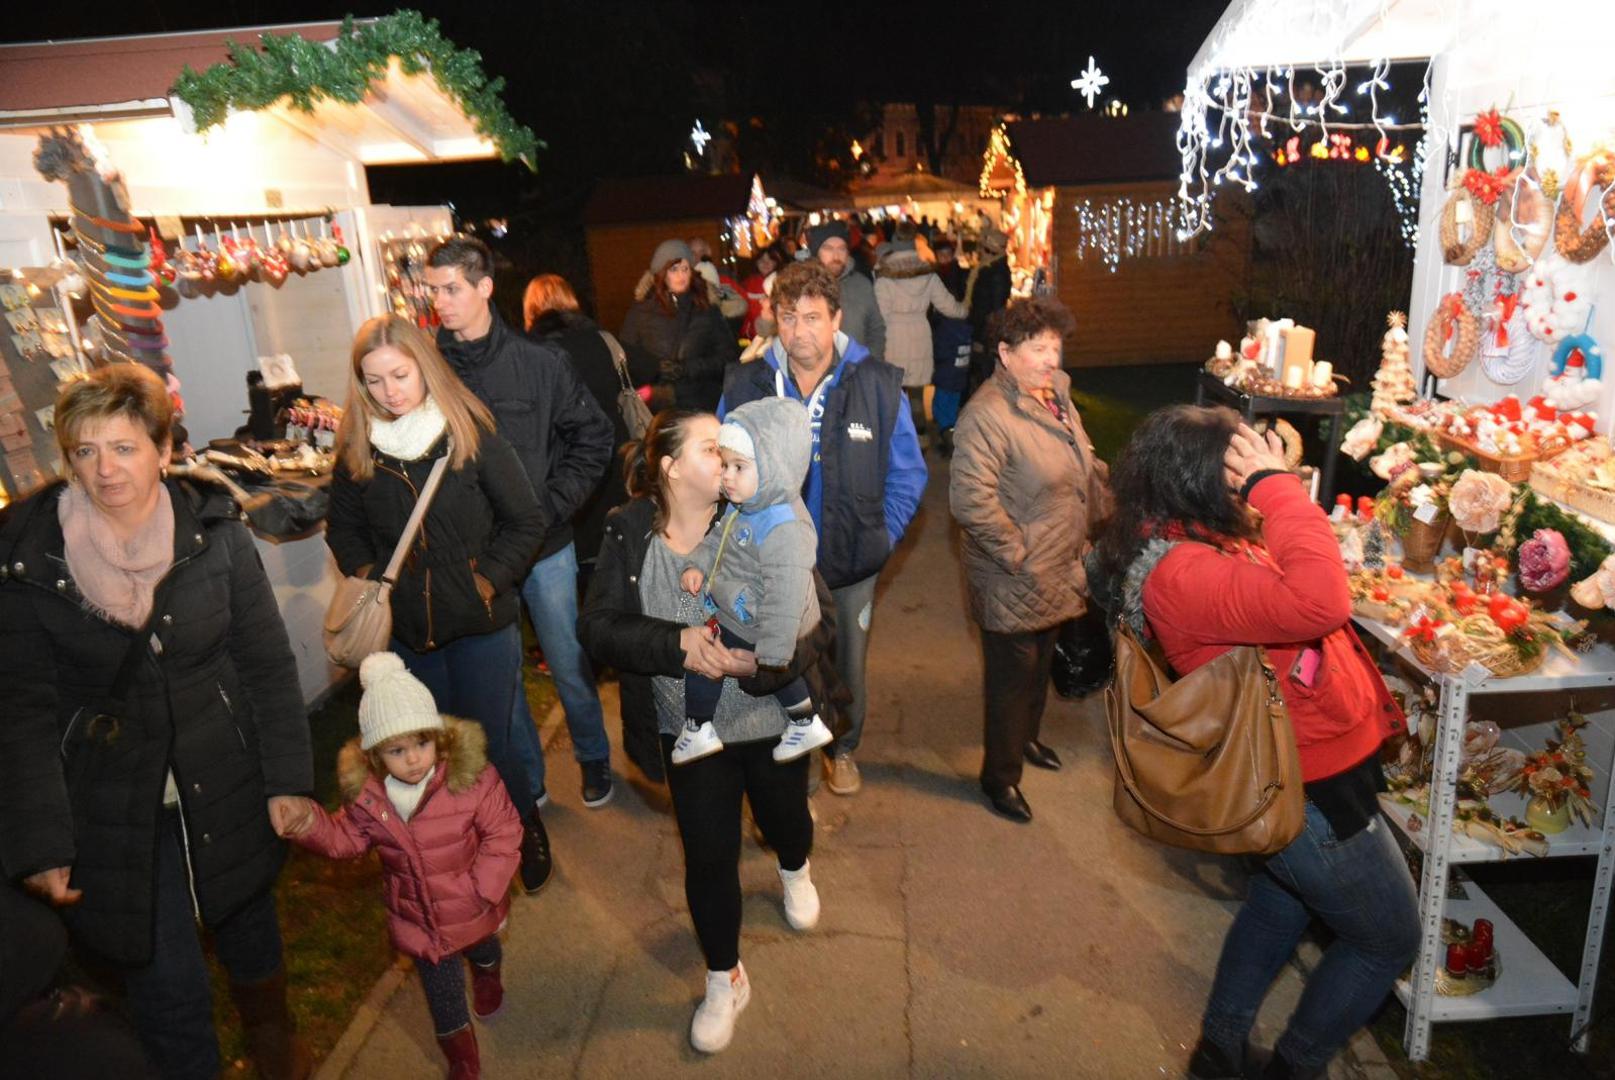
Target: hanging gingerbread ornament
x,y
160,265
272,259
302,255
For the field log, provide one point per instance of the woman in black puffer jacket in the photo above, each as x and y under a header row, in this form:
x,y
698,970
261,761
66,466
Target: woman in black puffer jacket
x,y
145,783
455,603
677,324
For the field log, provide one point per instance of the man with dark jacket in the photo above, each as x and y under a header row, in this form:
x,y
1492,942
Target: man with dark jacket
x,y
565,444
861,320
867,474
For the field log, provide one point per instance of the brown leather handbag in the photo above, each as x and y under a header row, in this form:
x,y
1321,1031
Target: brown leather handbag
x,y
1206,762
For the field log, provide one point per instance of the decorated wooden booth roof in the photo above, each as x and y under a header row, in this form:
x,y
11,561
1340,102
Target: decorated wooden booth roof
x,y
379,91
1088,149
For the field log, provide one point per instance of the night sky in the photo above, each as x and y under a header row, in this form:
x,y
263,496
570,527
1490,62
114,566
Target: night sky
x,y
613,87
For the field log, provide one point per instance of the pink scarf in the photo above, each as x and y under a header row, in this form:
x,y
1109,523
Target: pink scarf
x,y
117,578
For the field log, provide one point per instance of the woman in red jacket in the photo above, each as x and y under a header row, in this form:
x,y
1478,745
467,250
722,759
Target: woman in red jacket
x,y
1215,544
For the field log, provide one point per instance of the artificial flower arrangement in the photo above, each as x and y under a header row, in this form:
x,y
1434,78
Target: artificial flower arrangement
x,y
1557,780
1504,634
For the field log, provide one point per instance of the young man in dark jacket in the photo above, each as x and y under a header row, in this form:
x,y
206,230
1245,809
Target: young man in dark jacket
x,y
867,474
565,444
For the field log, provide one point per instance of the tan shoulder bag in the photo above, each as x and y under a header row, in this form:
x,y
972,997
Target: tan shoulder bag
x,y
1208,761
360,619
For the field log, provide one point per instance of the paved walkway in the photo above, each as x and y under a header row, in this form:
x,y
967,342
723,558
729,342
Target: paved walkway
x,y
953,943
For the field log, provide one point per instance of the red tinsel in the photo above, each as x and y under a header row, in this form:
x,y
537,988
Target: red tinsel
x,y
1489,128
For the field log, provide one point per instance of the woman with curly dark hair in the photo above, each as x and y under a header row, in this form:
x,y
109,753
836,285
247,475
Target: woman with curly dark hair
x,y
677,323
1027,491
1215,545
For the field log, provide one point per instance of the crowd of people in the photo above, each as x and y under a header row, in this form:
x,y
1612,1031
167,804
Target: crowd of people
x,y
723,561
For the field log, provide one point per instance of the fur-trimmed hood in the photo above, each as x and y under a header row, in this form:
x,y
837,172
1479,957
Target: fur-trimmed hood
x,y
904,263
463,761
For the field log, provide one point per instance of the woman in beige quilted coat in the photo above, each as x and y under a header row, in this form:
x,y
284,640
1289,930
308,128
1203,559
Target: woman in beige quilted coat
x,y
1027,492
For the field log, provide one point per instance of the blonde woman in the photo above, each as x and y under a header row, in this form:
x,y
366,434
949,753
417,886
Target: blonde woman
x,y
455,602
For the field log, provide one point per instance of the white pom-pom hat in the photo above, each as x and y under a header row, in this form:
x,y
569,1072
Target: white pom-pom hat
x,y
394,702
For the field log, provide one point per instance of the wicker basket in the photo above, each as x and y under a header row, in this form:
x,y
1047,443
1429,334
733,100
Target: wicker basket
x,y
1422,543
1515,470
1438,656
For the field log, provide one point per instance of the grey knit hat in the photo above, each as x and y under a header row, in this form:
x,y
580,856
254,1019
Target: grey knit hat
x,y
669,252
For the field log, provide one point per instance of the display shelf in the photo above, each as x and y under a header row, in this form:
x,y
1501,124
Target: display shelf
x,y
1530,984
1579,839
1596,667
1331,409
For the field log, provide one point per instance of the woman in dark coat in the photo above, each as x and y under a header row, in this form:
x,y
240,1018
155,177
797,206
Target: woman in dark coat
x,y
455,605
551,312
154,736
677,323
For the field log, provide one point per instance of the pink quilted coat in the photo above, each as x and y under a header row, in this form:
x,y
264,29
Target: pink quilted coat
x,y
446,872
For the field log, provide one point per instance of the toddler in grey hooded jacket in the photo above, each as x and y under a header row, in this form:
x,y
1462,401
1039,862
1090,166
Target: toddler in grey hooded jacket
x,y
756,567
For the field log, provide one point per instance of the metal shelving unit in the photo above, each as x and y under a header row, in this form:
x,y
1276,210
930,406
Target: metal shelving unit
x,y
1530,985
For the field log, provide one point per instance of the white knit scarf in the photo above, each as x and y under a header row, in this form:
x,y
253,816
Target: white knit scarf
x,y
410,436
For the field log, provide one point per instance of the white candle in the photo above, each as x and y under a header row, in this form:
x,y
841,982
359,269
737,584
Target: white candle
x,y
1292,378
1322,373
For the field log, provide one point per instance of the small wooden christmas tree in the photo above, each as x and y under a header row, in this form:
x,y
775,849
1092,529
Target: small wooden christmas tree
x,y
1393,383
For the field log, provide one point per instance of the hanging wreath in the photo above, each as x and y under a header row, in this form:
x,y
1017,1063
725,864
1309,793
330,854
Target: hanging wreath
x,y
1524,217
1492,131
307,72
1455,251
1452,322
1555,299
1549,150
1575,243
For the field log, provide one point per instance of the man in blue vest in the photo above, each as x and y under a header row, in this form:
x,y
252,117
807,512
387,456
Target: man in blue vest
x,y
867,474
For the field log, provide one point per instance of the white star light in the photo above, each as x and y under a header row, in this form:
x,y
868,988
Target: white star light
x,y
1091,83
700,137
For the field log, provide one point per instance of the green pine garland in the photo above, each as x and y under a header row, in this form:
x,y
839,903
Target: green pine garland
x,y
308,72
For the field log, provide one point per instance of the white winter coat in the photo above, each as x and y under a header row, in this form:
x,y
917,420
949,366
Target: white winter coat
x,y
905,286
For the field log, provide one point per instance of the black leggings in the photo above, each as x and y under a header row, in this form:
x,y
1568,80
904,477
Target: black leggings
x,y
707,794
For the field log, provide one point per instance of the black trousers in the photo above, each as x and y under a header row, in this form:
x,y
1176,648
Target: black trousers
x,y
707,795
1016,673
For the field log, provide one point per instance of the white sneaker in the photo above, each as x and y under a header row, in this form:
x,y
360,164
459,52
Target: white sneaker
x,y
714,1022
694,743
801,738
801,898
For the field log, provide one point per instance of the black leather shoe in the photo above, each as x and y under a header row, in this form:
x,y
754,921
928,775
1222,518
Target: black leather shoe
x,y
1211,1062
1279,1068
1011,803
536,861
1042,756
596,783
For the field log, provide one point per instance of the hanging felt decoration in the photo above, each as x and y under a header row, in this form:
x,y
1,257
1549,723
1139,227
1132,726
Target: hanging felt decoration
x,y
1509,353
1453,323
1556,299
1577,374
1574,242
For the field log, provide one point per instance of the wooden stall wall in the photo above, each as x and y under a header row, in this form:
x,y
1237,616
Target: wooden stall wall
x,y
619,254
1156,309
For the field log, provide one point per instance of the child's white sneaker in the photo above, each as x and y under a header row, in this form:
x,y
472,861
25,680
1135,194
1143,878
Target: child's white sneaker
x,y
696,742
801,736
714,1022
801,898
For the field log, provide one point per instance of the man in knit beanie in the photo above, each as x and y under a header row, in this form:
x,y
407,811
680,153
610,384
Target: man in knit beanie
x,y
860,315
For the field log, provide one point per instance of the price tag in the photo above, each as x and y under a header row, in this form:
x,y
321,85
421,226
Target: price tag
x,y
1474,674
1427,513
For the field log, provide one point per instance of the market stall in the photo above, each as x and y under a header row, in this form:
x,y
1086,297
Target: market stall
x,y
167,204
1484,566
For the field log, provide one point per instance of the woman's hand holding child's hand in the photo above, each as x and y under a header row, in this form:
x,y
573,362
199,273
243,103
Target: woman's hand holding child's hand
x,y
1249,453
291,815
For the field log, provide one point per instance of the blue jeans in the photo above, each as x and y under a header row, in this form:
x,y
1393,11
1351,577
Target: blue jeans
x,y
475,678
170,999
855,609
1361,889
551,593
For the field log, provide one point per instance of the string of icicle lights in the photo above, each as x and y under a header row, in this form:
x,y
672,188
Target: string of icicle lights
x,y
1229,109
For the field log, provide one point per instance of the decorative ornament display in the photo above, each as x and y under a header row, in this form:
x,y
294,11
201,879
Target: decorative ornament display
x,y
1556,299
342,252
1393,382
1492,131
1549,153
1091,83
159,259
1451,322
1524,222
307,72
1577,243
1509,352
1463,209
1577,374
1122,227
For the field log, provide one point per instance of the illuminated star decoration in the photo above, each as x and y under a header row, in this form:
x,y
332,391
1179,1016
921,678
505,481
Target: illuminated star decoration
x,y
700,137
1091,83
